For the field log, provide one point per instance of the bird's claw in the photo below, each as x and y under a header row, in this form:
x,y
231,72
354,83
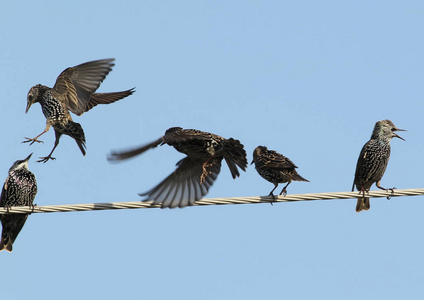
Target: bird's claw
x,y
283,192
273,199
392,190
32,141
45,159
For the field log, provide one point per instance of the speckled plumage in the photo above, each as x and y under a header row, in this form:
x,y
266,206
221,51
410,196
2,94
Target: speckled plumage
x,y
19,189
275,168
373,160
73,91
196,172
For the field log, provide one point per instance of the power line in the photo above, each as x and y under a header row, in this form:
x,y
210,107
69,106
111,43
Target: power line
x,y
210,201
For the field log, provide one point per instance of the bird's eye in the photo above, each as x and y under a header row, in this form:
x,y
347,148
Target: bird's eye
x,y
30,97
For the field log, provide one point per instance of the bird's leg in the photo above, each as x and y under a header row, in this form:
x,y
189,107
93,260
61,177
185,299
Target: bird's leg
x,y
363,191
32,206
205,171
46,158
272,195
36,138
284,191
7,206
382,188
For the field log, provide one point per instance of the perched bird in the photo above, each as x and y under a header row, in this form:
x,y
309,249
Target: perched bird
x,y
275,168
373,160
18,190
73,91
195,173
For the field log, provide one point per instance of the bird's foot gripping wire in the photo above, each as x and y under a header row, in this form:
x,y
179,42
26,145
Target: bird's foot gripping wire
x,y
392,190
273,198
205,172
45,159
284,192
32,141
32,206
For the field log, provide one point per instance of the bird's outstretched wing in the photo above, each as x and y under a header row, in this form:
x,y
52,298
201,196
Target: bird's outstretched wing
x,y
75,85
107,98
183,187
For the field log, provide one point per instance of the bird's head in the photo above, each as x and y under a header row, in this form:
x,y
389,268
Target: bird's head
x,y
386,128
34,95
20,164
257,152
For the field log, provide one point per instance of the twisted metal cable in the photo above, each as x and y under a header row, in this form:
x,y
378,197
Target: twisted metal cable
x,y
209,201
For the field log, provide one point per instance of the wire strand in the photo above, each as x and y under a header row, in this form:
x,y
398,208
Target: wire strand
x,y
209,201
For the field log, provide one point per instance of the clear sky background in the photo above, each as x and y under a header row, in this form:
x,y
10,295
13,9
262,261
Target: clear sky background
x,y
306,78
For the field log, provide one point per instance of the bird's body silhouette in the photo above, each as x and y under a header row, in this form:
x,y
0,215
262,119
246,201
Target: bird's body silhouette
x,y
195,173
373,160
275,168
73,91
19,189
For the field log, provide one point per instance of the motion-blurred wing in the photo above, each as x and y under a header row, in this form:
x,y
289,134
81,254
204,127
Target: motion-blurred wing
x,y
117,156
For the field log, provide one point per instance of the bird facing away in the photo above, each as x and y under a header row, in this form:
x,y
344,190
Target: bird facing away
x,y
373,160
73,91
19,189
195,173
275,168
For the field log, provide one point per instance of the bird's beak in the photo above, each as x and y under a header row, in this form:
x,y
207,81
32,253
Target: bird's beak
x,y
395,135
28,106
29,156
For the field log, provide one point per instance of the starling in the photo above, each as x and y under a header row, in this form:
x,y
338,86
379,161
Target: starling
x,y
73,91
276,168
18,190
373,160
195,173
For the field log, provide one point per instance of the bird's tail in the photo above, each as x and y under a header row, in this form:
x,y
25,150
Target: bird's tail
x,y
296,177
117,156
75,131
235,155
363,204
12,225
5,243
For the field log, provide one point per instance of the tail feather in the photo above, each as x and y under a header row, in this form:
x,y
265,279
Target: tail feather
x,y
296,177
235,155
6,244
363,204
12,225
75,131
117,156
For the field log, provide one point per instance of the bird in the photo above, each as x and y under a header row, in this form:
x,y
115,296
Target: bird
x,y
73,91
373,160
195,173
275,168
19,189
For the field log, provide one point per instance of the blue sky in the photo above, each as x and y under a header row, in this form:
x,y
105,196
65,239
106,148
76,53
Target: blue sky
x,y
306,78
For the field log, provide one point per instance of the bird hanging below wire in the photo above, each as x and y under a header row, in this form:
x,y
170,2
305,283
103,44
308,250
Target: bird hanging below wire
x,y
275,168
73,91
373,160
195,173
19,189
